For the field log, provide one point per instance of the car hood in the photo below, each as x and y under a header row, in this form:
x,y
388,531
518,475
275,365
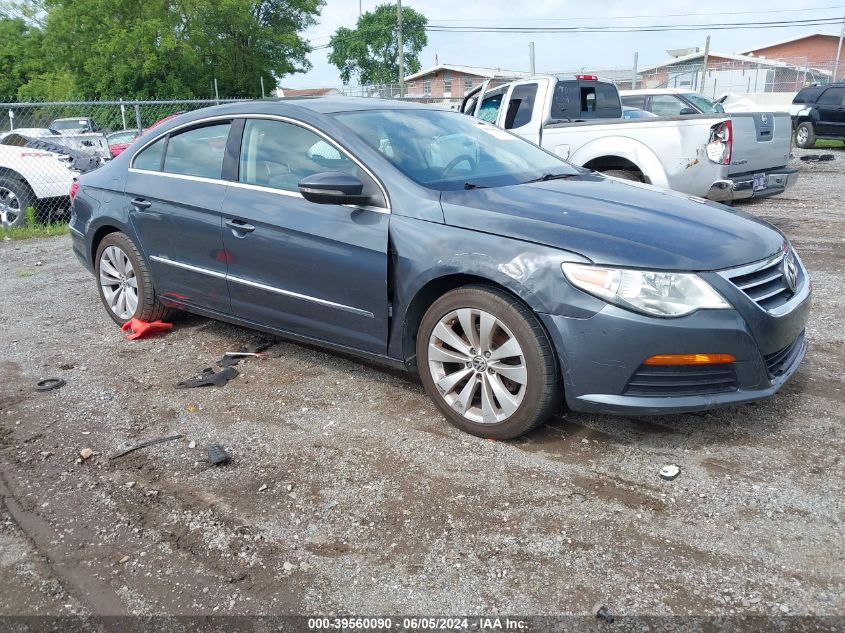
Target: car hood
x,y
617,223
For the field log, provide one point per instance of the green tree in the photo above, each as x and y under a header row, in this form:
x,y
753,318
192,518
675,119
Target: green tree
x,y
103,49
20,54
370,51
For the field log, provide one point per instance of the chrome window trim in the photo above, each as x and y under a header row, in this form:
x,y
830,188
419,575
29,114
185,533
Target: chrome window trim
x,y
274,117
260,286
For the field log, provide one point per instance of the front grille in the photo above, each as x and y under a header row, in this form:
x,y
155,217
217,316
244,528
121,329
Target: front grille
x,y
681,380
766,286
782,360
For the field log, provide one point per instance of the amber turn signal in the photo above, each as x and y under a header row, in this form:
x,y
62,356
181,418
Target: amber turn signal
x,y
689,359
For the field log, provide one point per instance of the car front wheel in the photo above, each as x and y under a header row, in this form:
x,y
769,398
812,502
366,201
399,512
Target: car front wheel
x,y
487,363
805,136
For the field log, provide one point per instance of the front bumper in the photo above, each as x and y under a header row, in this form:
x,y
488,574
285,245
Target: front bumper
x,y
742,186
602,358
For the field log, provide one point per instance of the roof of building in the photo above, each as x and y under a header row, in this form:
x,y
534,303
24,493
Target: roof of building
x,y
479,71
732,56
787,41
309,92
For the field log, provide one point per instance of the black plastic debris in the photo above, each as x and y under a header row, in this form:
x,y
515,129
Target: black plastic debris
x,y
813,158
209,377
48,384
669,472
602,613
217,455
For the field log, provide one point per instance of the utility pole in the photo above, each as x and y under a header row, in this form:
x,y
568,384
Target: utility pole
x,y
634,73
261,77
359,9
704,65
401,52
531,57
216,94
839,50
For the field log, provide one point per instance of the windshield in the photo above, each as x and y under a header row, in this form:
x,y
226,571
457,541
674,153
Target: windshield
x,y
703,103
445,150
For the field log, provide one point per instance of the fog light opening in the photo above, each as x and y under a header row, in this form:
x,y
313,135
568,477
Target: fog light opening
x,y
689,359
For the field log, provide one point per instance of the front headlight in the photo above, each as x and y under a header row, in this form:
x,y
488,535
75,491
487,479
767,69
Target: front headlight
x,y
653,293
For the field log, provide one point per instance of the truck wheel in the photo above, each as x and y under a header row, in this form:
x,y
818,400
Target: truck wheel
x,y
124,281
623,174
805,136
15,198
487,363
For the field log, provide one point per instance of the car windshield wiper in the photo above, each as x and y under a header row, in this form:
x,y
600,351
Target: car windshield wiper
x,y
473,185
546,177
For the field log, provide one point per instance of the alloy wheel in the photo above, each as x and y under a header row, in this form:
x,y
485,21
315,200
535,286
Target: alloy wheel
x,y
801,135
477,365
10,207
118,282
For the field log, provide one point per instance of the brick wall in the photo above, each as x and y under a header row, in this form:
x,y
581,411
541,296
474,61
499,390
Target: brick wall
x,y
444,84
818,49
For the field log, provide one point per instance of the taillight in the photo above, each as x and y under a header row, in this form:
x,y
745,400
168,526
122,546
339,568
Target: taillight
x,y
74,187
720,145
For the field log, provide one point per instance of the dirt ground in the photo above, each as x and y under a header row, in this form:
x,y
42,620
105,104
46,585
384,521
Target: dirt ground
x,y
349,494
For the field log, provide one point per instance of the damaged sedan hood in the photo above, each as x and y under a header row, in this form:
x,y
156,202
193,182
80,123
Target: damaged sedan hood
x,y
617,223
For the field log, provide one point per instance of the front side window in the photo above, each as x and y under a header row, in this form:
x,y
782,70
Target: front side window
x,y
278,155
150,157
446,151
521,106
489,109
197,152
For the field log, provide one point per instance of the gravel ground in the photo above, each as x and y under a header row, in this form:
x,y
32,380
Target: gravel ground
x,y
349,494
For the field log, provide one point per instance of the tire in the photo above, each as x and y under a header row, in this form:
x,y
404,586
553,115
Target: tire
x,y
113,253
15,198
467,383
623,174
805,135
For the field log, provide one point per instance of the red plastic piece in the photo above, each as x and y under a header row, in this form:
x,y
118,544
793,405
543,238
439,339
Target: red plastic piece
x,y
142,328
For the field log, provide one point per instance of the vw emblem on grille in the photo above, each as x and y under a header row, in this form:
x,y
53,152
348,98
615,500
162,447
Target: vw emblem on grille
x,y
790,272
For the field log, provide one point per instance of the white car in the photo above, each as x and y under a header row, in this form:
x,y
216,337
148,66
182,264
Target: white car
x,y
32,178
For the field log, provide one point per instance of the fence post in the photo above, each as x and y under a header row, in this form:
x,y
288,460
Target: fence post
x,y
138,117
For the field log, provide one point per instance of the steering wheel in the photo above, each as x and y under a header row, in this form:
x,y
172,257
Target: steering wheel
x,y
457,160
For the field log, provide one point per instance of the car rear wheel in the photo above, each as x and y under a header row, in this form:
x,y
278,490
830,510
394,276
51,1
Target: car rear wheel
x,y
15,198
805,136
124,281
487,363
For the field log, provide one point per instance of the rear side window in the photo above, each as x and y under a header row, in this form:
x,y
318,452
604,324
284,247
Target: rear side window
x,y
634,102
198,152
150,157
565,101
832,96
521,106
808,95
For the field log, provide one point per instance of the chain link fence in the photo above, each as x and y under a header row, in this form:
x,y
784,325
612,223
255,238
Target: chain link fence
x,y
45,145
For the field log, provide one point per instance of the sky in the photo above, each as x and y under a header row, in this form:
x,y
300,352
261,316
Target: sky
x,y
571,51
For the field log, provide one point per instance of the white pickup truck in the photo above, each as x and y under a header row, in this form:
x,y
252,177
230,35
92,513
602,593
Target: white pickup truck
x,y
579,118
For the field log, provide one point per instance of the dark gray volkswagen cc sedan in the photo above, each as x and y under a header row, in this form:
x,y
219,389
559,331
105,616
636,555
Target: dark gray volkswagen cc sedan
x,y
438,243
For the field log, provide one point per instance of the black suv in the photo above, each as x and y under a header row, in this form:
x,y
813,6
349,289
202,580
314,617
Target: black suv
x,y
819,112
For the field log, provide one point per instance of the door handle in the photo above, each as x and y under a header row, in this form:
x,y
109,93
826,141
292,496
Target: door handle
x,y
239,226
140,203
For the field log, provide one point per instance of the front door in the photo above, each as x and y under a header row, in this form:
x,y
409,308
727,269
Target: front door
x,y
319,270
831,107
174,193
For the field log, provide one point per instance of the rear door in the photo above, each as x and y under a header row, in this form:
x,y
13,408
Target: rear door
x,y
831,109
319,270
174,192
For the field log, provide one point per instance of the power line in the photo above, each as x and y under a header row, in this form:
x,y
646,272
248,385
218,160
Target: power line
x,y
435,21
636,29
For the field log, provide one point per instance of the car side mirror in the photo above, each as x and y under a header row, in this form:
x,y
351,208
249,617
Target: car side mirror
x,y
686,111
333,187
